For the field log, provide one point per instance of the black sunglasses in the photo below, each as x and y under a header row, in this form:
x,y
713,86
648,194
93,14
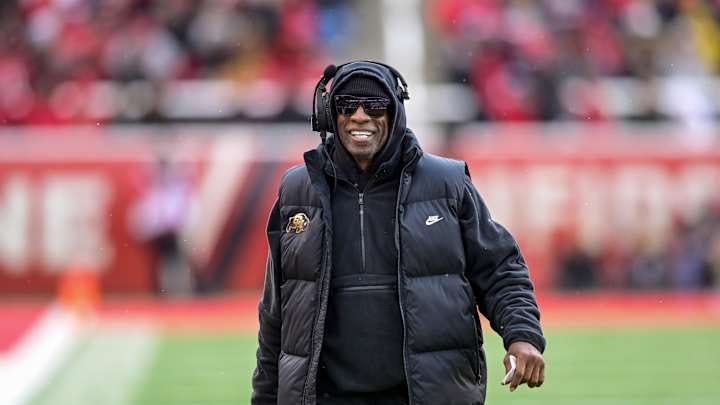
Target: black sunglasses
x,y
375,107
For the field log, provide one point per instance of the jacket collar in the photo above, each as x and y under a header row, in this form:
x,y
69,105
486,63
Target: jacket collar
x,y
407,152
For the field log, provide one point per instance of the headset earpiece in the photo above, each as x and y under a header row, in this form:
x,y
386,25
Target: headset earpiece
x,y
325,114
403,93
402,89
321,117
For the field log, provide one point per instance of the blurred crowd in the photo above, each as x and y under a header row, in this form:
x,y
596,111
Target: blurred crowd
x,y
70,61
687,258
583,59
99,60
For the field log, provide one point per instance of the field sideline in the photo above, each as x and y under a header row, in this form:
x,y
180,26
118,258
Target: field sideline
x,y
616,349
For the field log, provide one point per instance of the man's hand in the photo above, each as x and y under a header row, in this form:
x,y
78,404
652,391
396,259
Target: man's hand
x,y
530,365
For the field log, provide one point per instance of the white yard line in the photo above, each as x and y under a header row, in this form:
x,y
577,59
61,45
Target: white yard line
x,y
27,367
108,369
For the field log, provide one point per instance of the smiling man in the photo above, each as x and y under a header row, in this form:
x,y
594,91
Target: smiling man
x,y
362,119
380,257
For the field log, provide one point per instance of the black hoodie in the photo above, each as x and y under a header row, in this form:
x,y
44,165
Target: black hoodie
x,y
362,348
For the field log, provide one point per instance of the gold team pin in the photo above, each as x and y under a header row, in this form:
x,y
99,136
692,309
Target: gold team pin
x,y
297,223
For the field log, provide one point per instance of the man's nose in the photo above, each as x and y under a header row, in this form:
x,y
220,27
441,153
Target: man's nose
x,y
360,115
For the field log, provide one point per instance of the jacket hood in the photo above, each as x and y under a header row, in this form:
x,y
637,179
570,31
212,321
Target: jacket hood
x,y
384,76
390,153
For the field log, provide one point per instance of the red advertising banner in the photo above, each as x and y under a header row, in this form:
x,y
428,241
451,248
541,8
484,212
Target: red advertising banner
x,y
80,200
604,191
62,207
99,201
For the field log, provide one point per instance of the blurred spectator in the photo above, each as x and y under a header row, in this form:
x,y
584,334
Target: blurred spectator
x,y
157,220
711,257
712,263
576,265
687,251
544,60
648,266
613,262
578,269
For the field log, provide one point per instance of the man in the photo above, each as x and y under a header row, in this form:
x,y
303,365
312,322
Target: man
x,y
380,256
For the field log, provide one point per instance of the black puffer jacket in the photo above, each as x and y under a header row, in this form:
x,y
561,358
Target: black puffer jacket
x,y
452,258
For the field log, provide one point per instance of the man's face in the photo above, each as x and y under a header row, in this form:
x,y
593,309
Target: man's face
x,y
362,135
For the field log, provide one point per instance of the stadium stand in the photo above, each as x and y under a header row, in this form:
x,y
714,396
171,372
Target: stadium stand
x,y
582,60
138,60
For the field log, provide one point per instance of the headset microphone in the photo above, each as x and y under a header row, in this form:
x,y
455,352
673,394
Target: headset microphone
x,y
330,71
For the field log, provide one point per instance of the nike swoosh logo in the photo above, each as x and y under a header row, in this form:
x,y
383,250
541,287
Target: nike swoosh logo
x,y
433,219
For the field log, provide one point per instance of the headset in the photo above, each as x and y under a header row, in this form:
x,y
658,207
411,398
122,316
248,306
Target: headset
x,y
322,115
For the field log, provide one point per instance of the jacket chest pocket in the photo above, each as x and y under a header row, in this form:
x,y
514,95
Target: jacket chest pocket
x,y
431,238
301,242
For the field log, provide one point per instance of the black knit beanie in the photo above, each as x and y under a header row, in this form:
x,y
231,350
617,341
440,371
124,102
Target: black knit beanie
x,y
362,86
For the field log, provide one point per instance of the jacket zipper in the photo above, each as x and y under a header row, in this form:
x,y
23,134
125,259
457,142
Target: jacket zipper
x,y
399,275
362,228
325,268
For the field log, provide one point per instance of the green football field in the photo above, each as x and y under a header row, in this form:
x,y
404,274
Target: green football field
x,y
658,366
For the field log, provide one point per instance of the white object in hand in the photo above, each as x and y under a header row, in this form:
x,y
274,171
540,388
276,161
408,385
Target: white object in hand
x,y
510,374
